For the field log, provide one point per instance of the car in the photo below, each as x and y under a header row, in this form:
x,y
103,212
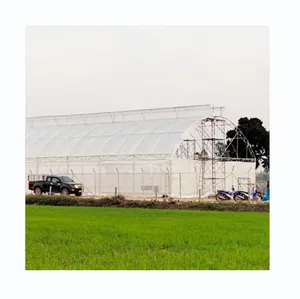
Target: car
x,y
56,184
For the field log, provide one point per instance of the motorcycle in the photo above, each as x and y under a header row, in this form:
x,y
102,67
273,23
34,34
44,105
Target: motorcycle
x,y
237,196
240,196
243,195
225,195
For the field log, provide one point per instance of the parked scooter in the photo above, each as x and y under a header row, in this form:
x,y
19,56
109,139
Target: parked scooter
x,y
241,196
225,195
237,196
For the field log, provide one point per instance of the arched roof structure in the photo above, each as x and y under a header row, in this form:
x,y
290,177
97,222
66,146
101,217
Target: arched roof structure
x,y
127,134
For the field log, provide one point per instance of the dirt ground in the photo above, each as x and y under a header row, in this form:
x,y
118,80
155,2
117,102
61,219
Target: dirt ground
x,y
147,198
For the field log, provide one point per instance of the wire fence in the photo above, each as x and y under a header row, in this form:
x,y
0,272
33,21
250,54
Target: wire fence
x,y
261,181
176,185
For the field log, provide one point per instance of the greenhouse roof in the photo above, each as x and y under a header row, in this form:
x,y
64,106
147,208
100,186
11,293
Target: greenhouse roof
x,y
126,133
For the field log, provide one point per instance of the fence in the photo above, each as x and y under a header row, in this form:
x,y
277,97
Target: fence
x,y
261,181
177,185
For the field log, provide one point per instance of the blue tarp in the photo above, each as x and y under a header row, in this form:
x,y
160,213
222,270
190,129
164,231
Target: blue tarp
x,y
267,196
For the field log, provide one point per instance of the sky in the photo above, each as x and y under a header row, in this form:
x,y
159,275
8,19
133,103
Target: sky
x,y
74,69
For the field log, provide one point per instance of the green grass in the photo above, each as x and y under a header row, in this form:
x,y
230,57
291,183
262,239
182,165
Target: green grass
x,y
85,238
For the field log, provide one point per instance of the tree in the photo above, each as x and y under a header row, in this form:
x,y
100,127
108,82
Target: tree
x,y
203,155
258,137
221,150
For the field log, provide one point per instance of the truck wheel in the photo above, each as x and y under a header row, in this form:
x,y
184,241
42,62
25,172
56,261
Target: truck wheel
x,y
37,191
78,194
64,192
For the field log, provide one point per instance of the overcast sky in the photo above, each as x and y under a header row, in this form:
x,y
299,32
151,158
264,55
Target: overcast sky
x,y
98,69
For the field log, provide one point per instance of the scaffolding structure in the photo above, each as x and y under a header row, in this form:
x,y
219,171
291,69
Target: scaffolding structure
x,y
186,149
214,151
211,162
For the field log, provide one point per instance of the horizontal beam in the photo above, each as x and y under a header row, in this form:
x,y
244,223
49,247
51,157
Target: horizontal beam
x,y
149,157
228,159
207,106
123,116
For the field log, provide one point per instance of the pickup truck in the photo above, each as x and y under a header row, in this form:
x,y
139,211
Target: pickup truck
x,y
55,184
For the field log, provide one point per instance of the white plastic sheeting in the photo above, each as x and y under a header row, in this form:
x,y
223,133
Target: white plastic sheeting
x,y
120,133
124,138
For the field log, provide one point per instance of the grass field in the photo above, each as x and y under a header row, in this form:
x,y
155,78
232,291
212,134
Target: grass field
x,y
115,238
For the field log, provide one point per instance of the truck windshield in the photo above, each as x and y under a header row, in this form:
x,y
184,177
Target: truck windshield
x,y
66,179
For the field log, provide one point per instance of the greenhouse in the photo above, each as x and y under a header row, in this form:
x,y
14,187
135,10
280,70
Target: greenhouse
x,y
153,152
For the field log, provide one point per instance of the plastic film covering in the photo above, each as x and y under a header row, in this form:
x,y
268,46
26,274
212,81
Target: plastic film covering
x,y
124,138
136,132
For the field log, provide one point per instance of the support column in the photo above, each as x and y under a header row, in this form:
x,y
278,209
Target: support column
x,y
133,177
67,166
170,179
37,167
99,173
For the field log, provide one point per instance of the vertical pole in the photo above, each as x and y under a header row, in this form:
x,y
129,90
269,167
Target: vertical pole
x,y
118,180
133,177
95,181
37,167
50,190
203,157
67,166
170,180
155,189
249,198
199,194
165,184
29,178
237,146
255,177
187,149
196,183
116,191
143,179
213,162
180,185
223,163
99,172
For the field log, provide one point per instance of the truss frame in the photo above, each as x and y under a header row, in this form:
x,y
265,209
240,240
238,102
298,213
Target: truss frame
x,y
101,158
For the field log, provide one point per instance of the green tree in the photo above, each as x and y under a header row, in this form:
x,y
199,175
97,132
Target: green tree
x,y
258,137
220,150
203,155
